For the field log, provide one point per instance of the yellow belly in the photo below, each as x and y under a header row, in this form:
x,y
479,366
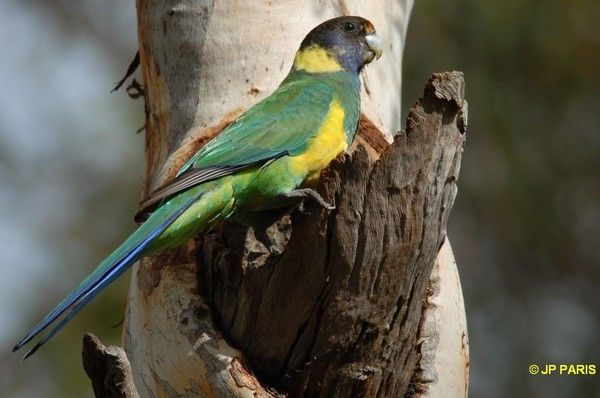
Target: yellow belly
x,y
327,144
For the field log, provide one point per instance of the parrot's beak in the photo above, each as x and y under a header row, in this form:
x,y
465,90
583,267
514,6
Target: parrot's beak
x,y
375,44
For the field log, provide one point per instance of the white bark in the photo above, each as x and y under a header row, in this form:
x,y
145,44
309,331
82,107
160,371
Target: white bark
x,y
444,365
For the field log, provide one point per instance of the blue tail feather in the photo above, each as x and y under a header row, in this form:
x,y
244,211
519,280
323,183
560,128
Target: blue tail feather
x,y
97,281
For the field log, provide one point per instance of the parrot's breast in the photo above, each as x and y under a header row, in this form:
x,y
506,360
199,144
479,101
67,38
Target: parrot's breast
x,y
325,146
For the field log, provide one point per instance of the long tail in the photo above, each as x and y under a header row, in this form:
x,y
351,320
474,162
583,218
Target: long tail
x,y
107,271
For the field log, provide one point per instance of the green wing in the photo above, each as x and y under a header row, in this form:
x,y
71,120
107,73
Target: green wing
x,y
281,124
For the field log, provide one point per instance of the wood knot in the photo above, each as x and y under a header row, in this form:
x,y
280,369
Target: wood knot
x,y
253,90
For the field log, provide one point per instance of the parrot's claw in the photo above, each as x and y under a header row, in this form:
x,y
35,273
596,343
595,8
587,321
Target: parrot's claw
x,y
308,193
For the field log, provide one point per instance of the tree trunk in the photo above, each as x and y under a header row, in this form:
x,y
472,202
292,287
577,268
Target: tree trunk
x,y
343,306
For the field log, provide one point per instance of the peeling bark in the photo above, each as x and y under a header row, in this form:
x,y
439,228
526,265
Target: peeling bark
x,y
442,343
336,309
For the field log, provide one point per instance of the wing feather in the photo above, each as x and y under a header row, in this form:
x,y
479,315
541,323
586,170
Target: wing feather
x,y
281,124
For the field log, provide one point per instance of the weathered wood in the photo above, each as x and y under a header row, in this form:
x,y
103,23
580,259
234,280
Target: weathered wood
x,y
335,310
108,368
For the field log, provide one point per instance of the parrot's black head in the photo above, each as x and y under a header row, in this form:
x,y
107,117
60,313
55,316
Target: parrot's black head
x,y
340,43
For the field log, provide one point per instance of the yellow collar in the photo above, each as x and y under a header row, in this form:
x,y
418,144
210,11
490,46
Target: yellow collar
x,y
316,59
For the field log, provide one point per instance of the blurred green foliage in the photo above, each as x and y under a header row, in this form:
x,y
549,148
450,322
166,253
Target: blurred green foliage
x,y
526,224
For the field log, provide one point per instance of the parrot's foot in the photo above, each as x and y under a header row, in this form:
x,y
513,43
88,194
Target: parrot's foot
x,y
309,193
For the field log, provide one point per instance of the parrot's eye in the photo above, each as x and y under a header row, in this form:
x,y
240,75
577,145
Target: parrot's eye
x,y
349,27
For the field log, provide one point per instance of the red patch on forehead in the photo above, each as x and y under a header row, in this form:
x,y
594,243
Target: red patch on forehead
x,y
369,28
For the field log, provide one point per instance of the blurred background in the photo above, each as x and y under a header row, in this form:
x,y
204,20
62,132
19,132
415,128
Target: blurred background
x,y
525,227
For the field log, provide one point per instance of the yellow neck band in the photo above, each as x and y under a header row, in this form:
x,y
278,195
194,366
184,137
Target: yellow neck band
x,y
316,59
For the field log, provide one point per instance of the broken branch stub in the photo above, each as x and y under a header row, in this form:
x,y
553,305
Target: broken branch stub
x,y
108,368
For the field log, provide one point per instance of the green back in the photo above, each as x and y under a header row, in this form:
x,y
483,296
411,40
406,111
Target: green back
x,y
284,122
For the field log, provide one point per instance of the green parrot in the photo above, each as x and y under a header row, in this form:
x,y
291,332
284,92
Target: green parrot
x,y
266,159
